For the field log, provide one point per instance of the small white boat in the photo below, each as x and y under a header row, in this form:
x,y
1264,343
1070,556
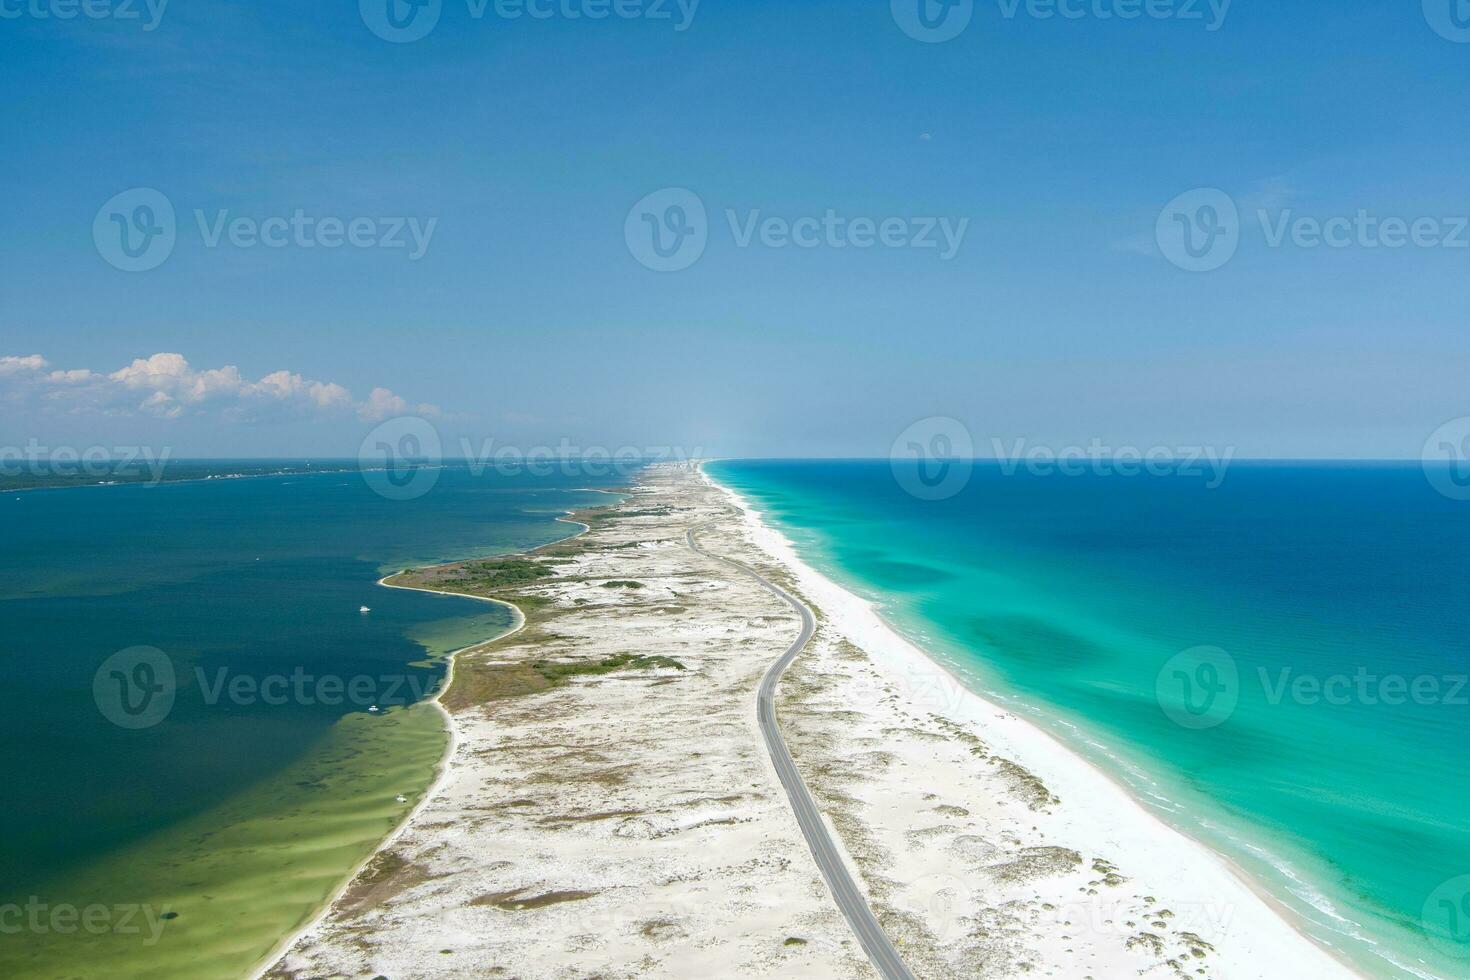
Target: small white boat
x,y
401,798
364,610
373,710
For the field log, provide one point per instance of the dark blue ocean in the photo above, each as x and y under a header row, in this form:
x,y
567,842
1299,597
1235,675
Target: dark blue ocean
x,y
268,777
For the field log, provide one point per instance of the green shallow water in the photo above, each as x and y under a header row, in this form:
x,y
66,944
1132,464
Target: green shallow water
x,y
192,846
242,875
1089,603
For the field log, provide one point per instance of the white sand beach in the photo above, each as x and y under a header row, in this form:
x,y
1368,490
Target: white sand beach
x,y
608,808
1143,890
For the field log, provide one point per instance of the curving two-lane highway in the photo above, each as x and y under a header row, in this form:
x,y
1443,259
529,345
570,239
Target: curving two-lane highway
x,y
850,899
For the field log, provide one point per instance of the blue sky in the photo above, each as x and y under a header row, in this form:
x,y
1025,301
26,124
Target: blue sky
x,y
529,319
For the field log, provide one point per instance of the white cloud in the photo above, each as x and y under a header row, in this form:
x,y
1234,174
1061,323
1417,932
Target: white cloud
x,y
382,404
166,386
10,366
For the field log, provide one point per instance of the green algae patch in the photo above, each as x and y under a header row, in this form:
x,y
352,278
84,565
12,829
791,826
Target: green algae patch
x,y
217,893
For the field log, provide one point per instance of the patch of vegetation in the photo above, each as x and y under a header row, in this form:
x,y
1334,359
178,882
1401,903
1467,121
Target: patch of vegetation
x,y
794,941
558,671
513,902
386,875
500,573
608,515
479,683
1036,863
621,583
528,602
661,929
1109,872
1197,946
1031,790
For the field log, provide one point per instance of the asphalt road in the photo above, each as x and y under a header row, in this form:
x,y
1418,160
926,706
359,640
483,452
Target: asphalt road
x,y
849,897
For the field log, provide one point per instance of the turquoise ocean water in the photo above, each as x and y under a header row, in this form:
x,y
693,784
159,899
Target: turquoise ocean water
x,y
240,809
1276,665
